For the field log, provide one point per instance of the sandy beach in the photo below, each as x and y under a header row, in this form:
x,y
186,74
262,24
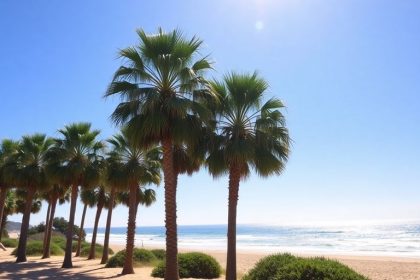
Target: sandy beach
x,y
376,268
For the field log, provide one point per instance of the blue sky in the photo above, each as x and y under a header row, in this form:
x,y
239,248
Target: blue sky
x,y
348,72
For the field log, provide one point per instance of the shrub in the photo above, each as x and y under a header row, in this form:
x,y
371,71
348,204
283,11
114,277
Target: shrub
x,y
35,248
85,250
287,267
37,229
192,265
159,253
267,267
9,242
140,257
61,224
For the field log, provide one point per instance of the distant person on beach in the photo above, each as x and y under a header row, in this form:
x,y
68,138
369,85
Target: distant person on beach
x,y
2,247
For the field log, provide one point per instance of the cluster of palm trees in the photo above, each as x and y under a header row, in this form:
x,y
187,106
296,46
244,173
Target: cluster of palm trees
x,y
55,169
172,118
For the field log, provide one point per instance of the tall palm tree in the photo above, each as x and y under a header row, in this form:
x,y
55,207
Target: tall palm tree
x,y
7,148
139,167
113,178
251,134
75,156
87,196
28,168
56,194
158,84
102,200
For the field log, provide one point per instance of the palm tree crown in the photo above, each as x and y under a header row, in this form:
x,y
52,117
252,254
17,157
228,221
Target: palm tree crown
x,y
75,153
137,165
157,86
250,133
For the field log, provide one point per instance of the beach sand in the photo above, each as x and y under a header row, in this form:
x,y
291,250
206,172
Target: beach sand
x,y
376,268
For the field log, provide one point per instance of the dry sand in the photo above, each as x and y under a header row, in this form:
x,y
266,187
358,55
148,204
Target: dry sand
x,y
376,268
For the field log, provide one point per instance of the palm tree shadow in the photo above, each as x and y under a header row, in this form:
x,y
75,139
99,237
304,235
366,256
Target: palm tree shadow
x,y
36,270
114,276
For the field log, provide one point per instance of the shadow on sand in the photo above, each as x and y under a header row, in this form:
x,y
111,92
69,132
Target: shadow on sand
x,y
38,270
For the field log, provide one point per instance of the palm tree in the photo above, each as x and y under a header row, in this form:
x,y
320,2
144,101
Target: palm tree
x,y
8,209
250,135
56,194
87,196
102,200
7,148
75,164
113,178
27,167
158,87
145,197
139,167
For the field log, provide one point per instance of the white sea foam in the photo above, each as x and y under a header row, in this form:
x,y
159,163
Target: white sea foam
x,y
383,240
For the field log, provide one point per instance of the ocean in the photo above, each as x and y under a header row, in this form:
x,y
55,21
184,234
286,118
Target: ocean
x,y
377,239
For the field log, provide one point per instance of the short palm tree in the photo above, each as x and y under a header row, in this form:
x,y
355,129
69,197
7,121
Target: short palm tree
x,y
102,199
15,204
139,167
28,169
75,156
145,197
88,198
113,179
56,194
250,134
158,84
7,148
9,209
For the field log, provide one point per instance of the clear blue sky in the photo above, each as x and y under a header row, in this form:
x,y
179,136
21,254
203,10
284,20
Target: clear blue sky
x,y
348,71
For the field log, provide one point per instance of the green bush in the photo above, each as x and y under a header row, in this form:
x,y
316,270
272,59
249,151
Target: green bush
x,y
60,224
267,267
37,229
85,250
159,253
35,248
287,267
140,257
9,242
192,265
56,237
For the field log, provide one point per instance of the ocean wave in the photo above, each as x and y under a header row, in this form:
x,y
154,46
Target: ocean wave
x,y
401,240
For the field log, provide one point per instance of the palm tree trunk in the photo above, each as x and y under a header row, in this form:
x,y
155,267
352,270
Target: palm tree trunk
x,y
170,178
3,195
46,253
131,231
47,220
95,231
21,250
234,177
67,263
82,224
105,252
3,222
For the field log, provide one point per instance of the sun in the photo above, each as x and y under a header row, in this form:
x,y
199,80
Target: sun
x,y
259,25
